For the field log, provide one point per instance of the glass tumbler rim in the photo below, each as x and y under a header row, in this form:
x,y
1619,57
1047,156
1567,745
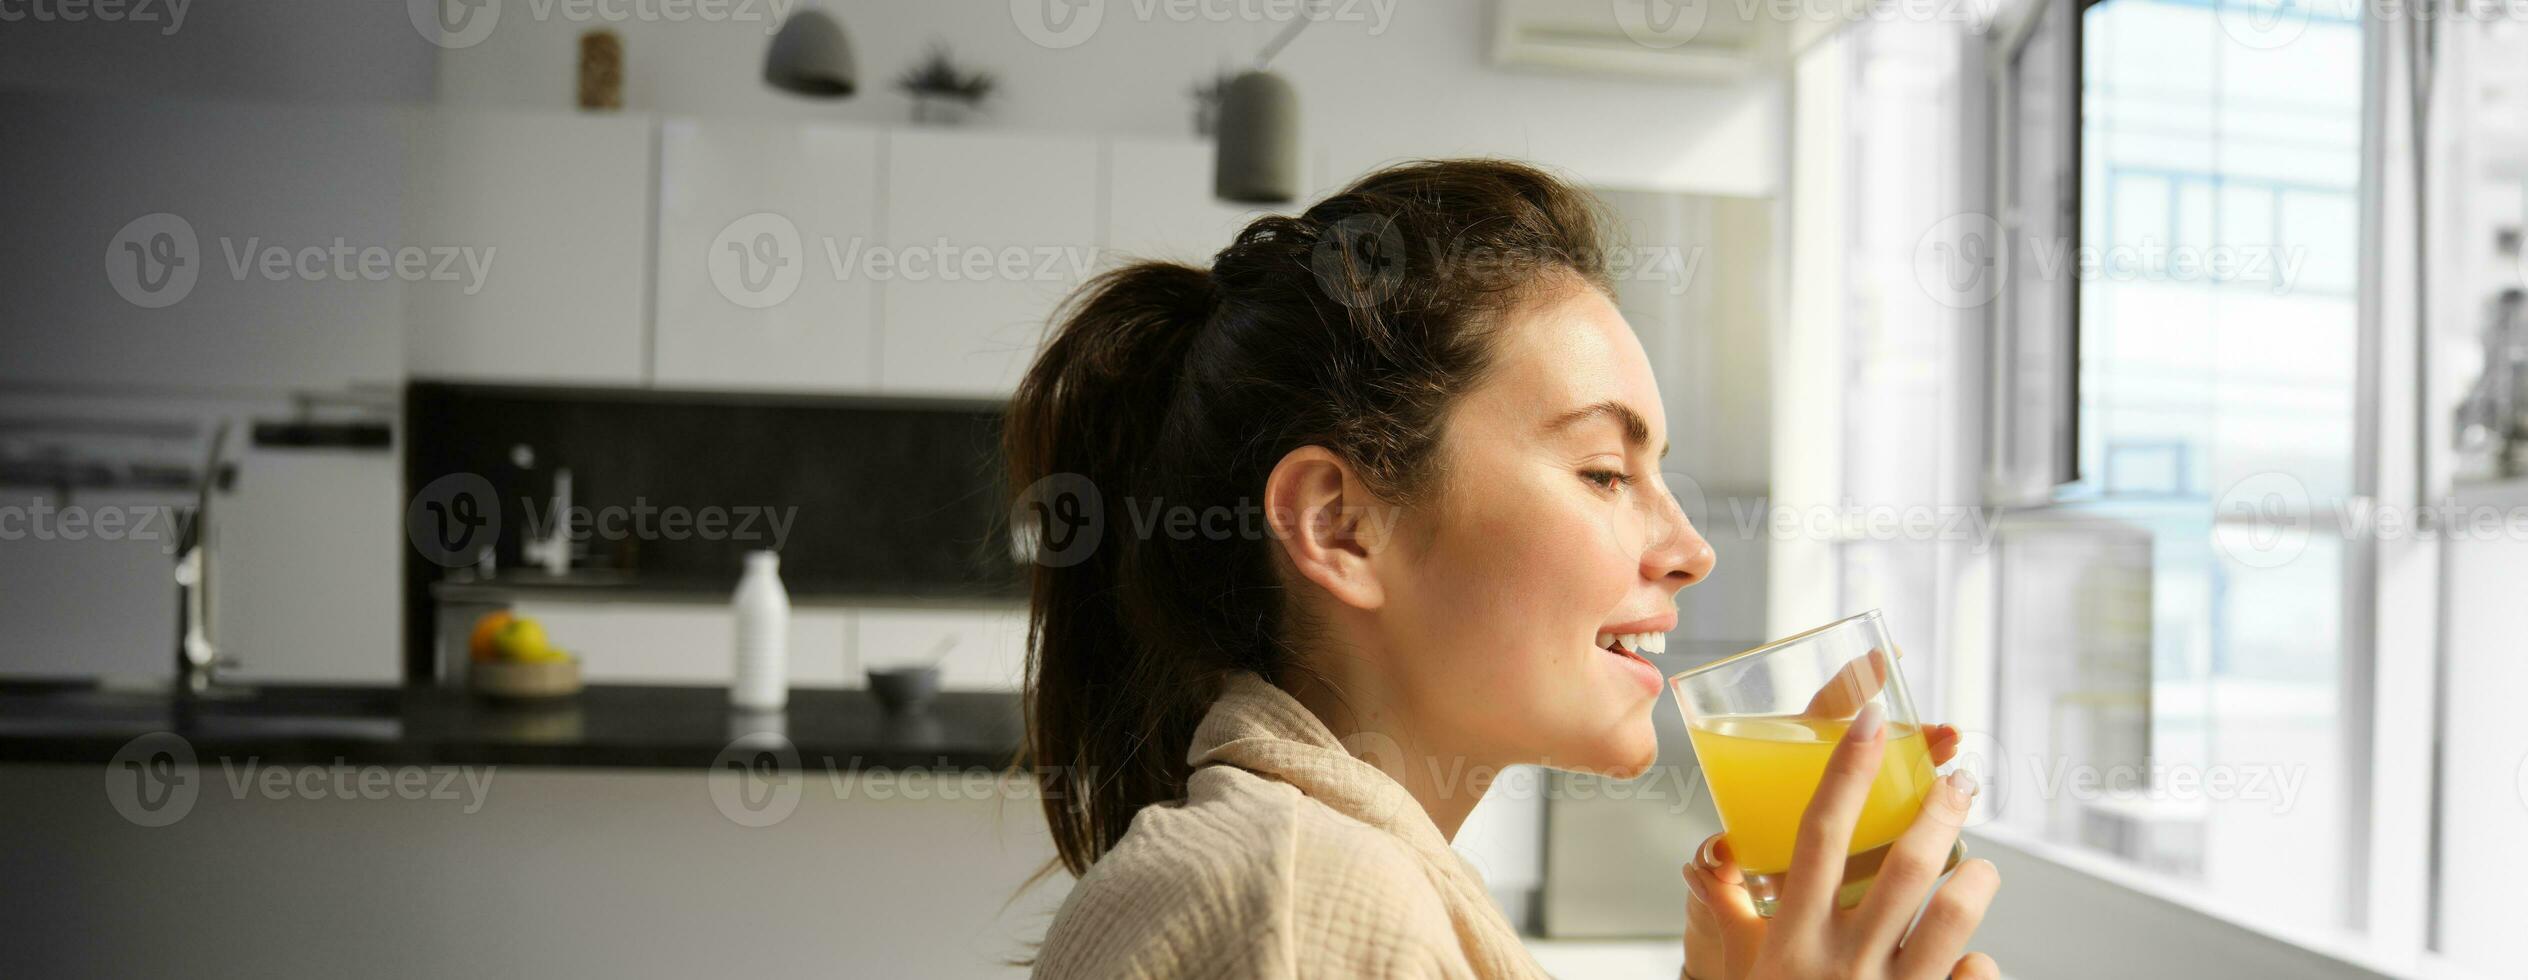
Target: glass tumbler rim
x,y
1691,672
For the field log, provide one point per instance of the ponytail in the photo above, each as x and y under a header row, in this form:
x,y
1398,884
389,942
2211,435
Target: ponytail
x,y
1103,708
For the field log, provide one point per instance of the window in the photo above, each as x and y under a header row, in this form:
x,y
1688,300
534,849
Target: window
x,y
2170,667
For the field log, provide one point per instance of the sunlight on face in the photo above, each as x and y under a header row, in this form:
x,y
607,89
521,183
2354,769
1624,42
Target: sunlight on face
x,y
1549,526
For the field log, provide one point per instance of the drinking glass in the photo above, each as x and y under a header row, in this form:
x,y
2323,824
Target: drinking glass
x,y
1764,722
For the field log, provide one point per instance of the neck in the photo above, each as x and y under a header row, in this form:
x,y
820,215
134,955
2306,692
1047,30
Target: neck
x,y
1445,779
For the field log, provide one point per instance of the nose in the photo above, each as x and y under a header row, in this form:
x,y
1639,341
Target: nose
x,y
1678,556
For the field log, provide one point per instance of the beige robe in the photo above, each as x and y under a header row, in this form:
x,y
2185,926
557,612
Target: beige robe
x,y
1288,858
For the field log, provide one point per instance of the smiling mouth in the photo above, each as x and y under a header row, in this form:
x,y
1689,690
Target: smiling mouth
x,y
1633,645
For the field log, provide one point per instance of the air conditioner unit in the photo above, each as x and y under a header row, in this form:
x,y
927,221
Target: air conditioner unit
x,y
1703,40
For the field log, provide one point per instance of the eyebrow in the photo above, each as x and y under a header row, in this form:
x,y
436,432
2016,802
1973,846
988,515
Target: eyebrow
x,y
1636,430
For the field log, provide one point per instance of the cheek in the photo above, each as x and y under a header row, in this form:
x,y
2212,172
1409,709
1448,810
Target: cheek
x,y
1524,574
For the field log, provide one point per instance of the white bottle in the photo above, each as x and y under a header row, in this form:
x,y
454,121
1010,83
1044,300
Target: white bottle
x,y
763,636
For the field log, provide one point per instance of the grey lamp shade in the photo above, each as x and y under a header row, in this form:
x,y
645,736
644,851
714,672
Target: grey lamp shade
x,y
811,56
1258,155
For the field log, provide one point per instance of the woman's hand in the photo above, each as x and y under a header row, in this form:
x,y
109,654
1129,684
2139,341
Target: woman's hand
x,y
1808,936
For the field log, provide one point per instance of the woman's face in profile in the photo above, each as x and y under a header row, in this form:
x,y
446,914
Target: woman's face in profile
x,y
1550,529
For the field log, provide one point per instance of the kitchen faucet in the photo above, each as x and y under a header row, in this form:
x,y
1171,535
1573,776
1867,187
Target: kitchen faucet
x,y
552,548
198,659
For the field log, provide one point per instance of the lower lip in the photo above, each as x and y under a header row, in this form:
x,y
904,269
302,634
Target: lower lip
x,y
1636,668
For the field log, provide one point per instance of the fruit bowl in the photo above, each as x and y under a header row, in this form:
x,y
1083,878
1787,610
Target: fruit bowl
x,y
521,680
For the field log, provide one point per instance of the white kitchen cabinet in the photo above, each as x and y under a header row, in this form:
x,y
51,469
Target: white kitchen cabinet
x,y
306,565
559,205
987,232
192,244
986,649
685,643
760,229
1159,203
76,603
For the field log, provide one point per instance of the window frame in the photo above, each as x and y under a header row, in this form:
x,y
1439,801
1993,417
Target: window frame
x,y
2383,601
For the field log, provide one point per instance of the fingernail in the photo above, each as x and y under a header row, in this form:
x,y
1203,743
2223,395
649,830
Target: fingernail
x,y
1865,726
1703,856
1964,783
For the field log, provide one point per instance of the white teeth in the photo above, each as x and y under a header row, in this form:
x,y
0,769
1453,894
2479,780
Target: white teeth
x,y
1634,642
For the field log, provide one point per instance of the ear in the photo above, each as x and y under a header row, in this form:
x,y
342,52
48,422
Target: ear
x,y
1328,524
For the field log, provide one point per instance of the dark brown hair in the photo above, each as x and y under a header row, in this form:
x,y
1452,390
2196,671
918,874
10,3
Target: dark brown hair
x,y
1352,326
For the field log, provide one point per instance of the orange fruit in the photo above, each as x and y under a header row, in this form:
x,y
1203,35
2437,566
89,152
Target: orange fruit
x,y
482,645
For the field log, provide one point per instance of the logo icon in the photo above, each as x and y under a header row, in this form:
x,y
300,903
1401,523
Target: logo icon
x,y
154,261
756,261
2263,521
756,780
153,780
1958,261
1058,522
453,519
454,23
1661,24
1057,23
2263,25
1360,261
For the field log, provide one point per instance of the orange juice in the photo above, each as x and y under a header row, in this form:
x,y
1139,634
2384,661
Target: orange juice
x,y
1764,768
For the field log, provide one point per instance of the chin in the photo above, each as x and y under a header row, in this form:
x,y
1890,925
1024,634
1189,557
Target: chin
x,y
1623,752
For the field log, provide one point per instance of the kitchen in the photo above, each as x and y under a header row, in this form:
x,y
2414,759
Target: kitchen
x,y
528,477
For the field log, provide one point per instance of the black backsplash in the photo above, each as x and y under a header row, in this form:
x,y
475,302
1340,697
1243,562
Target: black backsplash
x,y
883,497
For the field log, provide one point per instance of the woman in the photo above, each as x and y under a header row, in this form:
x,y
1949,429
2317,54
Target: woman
x,y
1331,532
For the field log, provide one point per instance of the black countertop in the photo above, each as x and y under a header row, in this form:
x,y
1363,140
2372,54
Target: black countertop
x,y
618,726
